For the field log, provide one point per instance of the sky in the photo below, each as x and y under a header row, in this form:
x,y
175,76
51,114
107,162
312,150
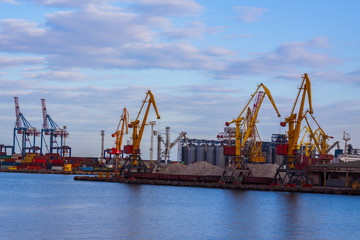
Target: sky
x,y
201,59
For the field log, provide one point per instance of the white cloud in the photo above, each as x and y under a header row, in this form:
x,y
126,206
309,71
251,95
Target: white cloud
x,y
9,1
148,7
167,8
243,35
7,62
94,38
288,57
194,29
249,14
61,76
69,3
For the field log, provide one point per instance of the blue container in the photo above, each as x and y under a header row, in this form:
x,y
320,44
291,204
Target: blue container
x,y
87,169
9,164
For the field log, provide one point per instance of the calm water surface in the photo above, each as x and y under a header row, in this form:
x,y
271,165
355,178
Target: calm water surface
x,y
35,206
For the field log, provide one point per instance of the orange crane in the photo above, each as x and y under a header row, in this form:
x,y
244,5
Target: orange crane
x,y
124,121
134,160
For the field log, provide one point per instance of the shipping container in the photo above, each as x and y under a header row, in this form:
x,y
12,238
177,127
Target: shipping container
x,y
57,168
87,168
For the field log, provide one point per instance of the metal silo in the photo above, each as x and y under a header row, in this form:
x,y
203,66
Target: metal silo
x,y
200,153
184,154
210,154
192,154
220,158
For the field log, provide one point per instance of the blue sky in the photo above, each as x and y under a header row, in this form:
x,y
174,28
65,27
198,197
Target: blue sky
x,y
201,59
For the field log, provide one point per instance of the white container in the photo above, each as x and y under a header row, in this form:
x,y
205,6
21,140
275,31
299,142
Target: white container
x,y
57,168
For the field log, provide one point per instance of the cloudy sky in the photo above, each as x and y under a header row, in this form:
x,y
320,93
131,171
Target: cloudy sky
x,y
202,59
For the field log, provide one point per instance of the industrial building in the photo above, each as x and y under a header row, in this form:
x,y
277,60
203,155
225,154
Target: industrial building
x,y
341,174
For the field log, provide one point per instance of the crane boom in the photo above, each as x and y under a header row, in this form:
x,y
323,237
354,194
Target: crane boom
x,y
137,136
44,111
294,119
240,120
124,120
135,160
17,112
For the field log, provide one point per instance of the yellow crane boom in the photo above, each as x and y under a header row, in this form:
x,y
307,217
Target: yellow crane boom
x,y
240,120
294,120
137,136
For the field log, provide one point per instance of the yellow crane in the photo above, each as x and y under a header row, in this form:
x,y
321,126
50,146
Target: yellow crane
x,y
294,173
138,129
245,125
309,143
294,120
291,165
121,130
245,128
321,142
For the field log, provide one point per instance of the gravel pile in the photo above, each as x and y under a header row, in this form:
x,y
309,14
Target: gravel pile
x,y
263,170
174,168
197,168
204,169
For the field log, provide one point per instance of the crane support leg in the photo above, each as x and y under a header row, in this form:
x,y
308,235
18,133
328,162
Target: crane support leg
x,y
133,165
286,175
236,170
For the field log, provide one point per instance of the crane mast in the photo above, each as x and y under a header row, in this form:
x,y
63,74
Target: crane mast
x,y
134,160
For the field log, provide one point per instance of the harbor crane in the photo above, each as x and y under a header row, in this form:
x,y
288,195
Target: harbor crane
x,y
53,131
26,130
245,129
134,160
292,167
120,132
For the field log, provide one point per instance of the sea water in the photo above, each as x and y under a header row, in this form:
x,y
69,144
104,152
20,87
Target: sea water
x,y
39,206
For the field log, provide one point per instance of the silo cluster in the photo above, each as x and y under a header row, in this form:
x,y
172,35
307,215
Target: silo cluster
x,y
197,150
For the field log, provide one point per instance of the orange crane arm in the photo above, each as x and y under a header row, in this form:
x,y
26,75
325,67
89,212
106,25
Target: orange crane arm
x,y
124,126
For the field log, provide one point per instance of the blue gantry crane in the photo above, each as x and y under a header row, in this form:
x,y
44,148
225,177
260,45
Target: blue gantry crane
x,y
27,132
54,132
